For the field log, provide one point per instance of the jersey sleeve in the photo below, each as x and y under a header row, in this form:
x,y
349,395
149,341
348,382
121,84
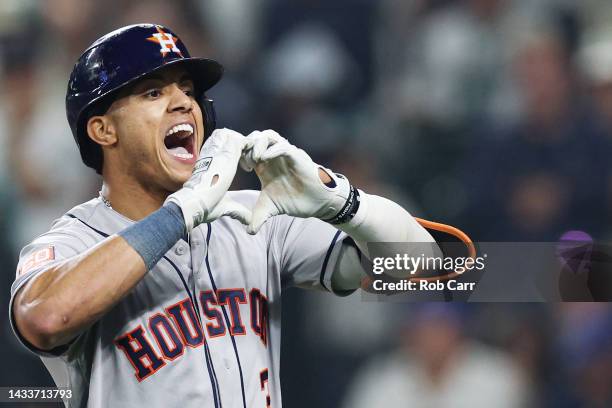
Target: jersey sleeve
x,y
46,251
307,251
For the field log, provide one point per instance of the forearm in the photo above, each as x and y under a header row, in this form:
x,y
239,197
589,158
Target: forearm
x,y
381,220
377,220
55,307
293,184
63,301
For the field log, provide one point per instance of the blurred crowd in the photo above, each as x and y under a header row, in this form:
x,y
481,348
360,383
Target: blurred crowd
x,y
492,115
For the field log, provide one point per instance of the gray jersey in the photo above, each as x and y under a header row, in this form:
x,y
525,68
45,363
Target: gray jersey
x,y
202,327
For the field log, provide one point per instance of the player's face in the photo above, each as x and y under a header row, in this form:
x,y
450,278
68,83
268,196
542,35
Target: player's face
x,y
159,129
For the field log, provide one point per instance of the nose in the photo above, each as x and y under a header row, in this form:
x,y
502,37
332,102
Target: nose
x,y
179,102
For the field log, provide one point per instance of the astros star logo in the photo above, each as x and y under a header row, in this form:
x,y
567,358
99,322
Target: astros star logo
x,y
166,41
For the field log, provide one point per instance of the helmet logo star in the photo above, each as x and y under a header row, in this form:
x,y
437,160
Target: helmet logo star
x,y
166,41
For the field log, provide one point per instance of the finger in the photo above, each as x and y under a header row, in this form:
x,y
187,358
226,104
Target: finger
x,y
229,132
260,141
246,162
250,139
278,150
259,147
236,211
228,207
273,137
223,140
254,149
264,209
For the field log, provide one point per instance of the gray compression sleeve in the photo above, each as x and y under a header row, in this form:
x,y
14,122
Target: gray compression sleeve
x,y
154,235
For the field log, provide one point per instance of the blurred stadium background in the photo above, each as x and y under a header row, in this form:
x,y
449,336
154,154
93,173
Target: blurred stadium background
x,y
492,115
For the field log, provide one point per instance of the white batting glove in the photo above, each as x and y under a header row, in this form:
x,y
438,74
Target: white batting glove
x,y
290,182
202,198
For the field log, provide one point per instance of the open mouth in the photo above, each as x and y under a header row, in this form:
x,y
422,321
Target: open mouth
x,y
179,142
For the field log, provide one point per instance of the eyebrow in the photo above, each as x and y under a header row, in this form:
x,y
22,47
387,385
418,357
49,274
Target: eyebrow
x,y
144,82
156,77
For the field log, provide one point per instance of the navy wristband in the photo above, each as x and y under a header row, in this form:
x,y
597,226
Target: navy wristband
x,y
154,235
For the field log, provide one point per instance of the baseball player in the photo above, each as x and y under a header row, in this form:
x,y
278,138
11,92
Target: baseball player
x,y
165,289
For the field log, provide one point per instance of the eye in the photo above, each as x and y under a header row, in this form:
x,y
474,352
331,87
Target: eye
x,y
188,91
153,93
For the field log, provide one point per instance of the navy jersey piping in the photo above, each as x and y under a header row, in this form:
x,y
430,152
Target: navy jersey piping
x,y
209,362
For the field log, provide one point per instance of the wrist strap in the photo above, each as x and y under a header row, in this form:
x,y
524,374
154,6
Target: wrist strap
x,y
349,210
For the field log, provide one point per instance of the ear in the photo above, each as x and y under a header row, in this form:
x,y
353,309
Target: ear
x,y
101,130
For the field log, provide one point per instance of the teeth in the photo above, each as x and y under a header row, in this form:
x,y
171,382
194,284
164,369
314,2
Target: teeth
x,y
185,127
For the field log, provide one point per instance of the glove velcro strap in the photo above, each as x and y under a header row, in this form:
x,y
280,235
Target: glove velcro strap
x,y
194,212
349,209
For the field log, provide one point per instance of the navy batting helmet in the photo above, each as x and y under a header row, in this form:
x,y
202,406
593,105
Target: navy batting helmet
x,y
118,59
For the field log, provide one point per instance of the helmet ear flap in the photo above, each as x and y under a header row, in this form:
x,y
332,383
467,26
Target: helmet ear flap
x,y
210,117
